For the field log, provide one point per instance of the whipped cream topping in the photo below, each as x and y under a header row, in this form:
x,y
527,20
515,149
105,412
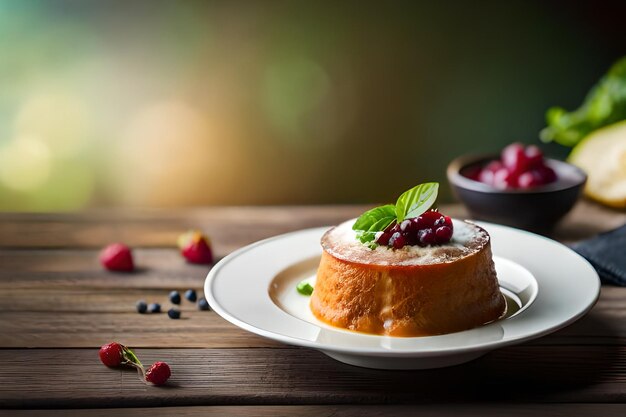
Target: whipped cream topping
x,y
341,242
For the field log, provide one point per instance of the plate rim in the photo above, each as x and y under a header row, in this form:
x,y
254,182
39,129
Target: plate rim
x,y
389,352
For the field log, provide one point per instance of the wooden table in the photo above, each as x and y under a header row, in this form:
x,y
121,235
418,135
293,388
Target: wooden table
x,y
57,307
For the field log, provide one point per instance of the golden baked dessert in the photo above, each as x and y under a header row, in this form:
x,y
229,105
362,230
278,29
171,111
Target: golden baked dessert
x,y
431,284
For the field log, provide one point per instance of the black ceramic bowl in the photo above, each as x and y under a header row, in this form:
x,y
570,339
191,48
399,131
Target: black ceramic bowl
x,y
537,209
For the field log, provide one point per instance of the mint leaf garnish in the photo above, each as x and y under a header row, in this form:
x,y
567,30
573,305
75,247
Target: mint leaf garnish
x,y
374,220
416,201
410,204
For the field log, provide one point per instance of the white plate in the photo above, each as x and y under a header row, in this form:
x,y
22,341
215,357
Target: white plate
x,y
254,288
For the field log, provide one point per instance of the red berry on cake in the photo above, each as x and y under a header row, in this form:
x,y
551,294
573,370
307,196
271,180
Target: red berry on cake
x,y
394,272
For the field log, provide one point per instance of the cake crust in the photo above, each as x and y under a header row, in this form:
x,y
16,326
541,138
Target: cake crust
x,y
407,292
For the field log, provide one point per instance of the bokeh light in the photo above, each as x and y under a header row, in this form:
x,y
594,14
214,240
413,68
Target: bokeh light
x,y
167,146
25,164
159,103
60,120
294,88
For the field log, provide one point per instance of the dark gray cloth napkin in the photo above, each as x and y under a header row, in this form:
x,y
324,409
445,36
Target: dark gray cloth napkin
x,y
607,253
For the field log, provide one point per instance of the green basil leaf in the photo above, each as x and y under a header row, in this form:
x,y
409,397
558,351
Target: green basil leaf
x,y
376,219
416,201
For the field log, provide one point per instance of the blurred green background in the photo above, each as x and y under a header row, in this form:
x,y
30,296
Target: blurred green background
x,y
163,103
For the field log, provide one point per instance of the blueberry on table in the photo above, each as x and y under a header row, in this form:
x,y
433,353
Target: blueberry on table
x,y
191,295
141,306
173,313
154,308
175,297
203,304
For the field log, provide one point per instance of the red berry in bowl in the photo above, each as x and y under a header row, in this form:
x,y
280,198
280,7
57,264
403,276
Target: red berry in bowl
x,y
534,156
514,158
519,167
112,354
488,173
196,248
486,177
117,257
493,166
505,178
545,174
528,180
473,173
158,373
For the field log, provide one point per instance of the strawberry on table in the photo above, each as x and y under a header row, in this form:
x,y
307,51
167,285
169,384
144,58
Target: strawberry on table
x,y
117,257
195,247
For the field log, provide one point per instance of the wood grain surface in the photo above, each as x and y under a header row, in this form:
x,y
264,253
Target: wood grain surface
x,y
424,410
57,306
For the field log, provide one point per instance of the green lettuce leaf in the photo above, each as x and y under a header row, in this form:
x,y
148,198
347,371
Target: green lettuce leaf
x,y
605,104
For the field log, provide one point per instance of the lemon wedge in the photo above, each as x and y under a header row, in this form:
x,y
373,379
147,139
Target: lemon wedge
x,y
602,155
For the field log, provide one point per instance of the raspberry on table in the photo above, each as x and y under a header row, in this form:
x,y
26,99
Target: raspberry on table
x,y
112,354
158,373
117,257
